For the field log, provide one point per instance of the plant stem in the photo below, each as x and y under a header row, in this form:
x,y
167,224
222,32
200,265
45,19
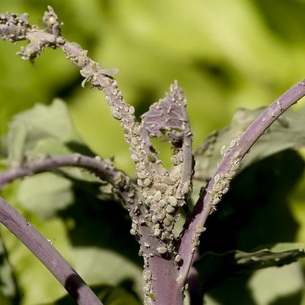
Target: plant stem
x,y
121,183
48,255
227,169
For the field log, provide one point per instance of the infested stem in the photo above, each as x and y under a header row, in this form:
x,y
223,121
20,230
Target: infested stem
x,y
218,185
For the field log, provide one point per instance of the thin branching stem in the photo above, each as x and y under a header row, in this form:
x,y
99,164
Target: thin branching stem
x,y
121,183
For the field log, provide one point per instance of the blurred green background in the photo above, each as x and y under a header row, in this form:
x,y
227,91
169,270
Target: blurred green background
x,y
224,54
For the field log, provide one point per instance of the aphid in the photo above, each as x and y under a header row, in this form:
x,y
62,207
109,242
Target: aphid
x,y
146,275
179,279
133,232
173,201
77,158
116,113
157,196
233,143
162,250
141,175
185,188
134,158
147,182
152,296
216,178
110,72
165,235
157,232
167,222
170,209
161,203
149,199
215,201
178,258
131,110
200,229
161,215
154,218
279,105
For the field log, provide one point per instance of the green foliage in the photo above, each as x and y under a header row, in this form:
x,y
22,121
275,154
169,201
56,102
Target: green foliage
x,y
214,268
42,130
285,133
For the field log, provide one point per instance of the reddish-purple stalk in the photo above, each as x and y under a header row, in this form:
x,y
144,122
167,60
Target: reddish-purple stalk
x,y
204,206
48,255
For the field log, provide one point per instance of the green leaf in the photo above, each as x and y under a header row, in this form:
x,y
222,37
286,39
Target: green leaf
x,y
45,194
237,262
285,133
110,295
45,130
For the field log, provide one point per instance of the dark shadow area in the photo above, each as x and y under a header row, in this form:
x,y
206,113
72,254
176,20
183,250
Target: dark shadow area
x,y
254,213
77,147
274,12
69,87
256,208
72,285
99,221
146,96
218,72
108,294
233,291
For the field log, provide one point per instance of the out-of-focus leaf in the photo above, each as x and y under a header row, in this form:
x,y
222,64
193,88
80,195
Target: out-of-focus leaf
x,y
285,133
110,295
102,250
256,211
217,267
45,130
9,293
45,194
272,286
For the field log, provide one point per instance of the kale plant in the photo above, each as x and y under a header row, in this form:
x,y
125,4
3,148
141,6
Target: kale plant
x,y
159,197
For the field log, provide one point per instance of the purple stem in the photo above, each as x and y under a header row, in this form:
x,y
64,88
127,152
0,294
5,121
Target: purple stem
x,y
48,255
227,169
103,170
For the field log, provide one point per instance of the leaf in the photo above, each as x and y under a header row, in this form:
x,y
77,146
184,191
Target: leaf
x,y
285,133
214,267
42,129
168,116
45,194
110,295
